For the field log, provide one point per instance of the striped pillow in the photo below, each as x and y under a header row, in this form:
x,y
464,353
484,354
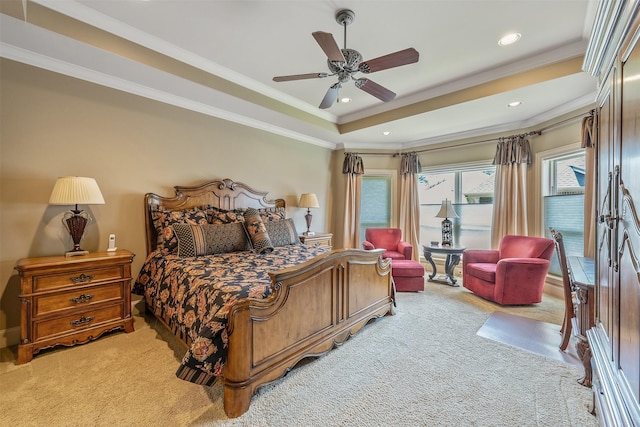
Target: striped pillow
x,y
282,233
257,232
210,239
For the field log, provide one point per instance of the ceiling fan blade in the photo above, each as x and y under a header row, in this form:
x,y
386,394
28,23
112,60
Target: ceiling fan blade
x,y
331,96
329,46
300,77
373,88
396,59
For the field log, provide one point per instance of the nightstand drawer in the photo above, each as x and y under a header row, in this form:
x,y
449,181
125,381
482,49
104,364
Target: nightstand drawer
x,y
78,298
77,277
318,240
75,322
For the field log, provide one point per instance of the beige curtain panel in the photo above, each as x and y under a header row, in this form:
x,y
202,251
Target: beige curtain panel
x,y
513,155
410,201
352,168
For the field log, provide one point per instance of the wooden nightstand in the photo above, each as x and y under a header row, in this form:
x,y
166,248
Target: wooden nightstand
x,y
323,240
68,301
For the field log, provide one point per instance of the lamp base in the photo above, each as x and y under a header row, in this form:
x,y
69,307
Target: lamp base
x,y
309,233
76,253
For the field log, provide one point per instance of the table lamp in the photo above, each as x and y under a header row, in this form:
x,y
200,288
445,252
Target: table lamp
x,y
446,211
76,190
308,200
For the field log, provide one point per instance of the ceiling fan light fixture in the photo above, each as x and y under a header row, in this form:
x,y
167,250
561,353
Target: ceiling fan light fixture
x,y
509,39
345,100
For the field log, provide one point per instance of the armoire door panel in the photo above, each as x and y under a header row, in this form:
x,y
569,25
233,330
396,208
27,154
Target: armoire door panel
x,y
604,206
629,223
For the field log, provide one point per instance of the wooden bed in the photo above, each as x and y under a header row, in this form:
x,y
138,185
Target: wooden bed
x,y
312,308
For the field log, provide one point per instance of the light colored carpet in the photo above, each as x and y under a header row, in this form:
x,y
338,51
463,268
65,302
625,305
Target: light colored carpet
x,y
426,366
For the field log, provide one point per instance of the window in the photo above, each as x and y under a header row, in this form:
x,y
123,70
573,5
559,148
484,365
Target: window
x,y
376,196
563,192
470,189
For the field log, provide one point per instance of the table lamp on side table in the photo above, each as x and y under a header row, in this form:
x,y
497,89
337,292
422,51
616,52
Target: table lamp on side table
x,y
446,211
308,200
76,190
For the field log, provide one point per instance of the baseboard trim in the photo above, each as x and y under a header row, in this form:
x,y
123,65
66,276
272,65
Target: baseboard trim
x,y
553,286
9,337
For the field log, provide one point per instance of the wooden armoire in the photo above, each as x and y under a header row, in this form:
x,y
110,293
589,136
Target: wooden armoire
x,y
613,56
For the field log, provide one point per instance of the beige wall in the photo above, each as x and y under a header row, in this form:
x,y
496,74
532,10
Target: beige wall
x,y
54,126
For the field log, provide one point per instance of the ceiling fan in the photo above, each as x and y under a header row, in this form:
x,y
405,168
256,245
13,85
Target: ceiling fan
x,y
345,63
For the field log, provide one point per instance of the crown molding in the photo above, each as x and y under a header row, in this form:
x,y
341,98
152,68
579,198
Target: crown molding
x,y
96,19
22,42
612,24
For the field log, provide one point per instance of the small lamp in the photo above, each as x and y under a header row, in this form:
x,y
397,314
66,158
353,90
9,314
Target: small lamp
x,y
446,211
76,190
308,200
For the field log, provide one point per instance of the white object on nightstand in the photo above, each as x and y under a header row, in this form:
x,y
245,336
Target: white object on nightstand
x,y
112,243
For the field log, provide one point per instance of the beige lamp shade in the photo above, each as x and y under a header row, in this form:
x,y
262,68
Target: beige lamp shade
x,y
308,200
76,190
446,210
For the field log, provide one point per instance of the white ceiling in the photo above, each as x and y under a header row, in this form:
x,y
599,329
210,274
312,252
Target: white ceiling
x,y
250,42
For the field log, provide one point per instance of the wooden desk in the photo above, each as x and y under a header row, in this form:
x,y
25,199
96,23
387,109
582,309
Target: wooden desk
x,y
582,271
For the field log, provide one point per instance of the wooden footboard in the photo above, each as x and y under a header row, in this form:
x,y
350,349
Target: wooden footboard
x,y
314,307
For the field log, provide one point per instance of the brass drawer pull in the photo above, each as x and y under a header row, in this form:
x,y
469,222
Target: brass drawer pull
x,y
82,299
83,278
82,321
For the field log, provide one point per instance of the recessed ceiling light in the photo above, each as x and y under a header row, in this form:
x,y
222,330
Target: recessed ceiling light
x,y
386,132
509,39
514,104
345,100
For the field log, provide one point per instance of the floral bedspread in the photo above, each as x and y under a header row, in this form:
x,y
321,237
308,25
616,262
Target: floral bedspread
x,y
194,295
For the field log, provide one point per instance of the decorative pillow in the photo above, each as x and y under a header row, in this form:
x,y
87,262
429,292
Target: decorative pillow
x,y
209,239
272,214
164,219
222,216
282,233
257,232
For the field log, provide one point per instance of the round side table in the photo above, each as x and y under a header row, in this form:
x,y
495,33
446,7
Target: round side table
x,y
453,258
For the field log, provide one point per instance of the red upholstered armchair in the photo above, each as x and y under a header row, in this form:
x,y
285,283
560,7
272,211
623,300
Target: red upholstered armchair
x,y
389,239
512,275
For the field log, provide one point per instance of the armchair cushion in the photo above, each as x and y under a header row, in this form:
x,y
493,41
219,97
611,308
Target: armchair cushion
x,y
389,239
484,271
514,274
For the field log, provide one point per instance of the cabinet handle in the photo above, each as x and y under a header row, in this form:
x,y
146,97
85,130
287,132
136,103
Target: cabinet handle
x,y
82,299
83,278
82,321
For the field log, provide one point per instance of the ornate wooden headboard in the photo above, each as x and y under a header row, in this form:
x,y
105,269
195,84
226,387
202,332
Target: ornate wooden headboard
x,y
224,194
